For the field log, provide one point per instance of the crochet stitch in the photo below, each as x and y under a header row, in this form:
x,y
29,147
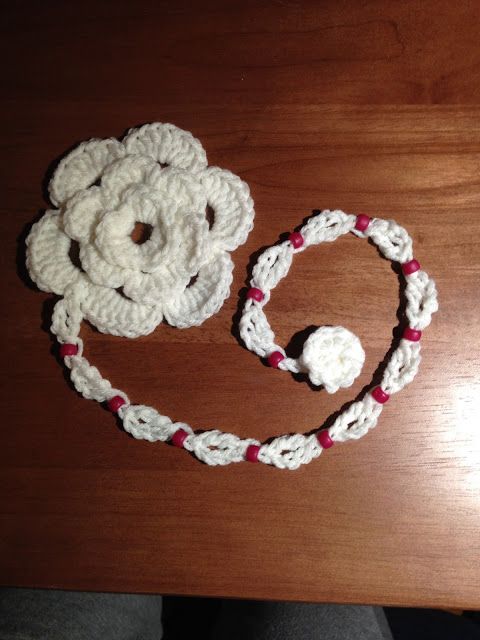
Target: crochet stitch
x,y
155,278
103,188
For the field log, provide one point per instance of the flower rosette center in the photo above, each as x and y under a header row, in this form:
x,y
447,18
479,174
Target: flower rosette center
x,y
332,357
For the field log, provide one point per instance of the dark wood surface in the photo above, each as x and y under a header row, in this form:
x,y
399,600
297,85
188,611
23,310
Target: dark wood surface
x,y
366,106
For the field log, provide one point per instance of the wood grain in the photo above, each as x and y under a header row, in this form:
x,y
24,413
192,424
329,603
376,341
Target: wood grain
x,y
370,107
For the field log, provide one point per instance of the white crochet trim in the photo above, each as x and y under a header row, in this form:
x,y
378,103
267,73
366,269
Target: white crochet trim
x,y
273,265
125,288
81,299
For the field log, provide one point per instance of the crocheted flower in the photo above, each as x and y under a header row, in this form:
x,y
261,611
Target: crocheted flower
x,y
103,188
332,357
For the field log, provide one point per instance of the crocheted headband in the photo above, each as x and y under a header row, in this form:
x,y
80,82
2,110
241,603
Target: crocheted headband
x,y
104,187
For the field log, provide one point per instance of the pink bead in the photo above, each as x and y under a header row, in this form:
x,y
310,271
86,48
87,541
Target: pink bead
x,y
252,453
275,358
68,350
413,335
296,239
178,437
379,395
324,439
115,403
410,267
255,294
362,222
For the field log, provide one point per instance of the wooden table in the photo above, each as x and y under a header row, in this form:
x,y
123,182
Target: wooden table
x,y
368,107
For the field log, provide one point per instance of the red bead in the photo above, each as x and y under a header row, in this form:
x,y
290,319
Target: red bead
x,y
379,395
410,267
252,453
362,222
115,403
68,350
275,358
296,239
178,437
255,294
413,335
324,439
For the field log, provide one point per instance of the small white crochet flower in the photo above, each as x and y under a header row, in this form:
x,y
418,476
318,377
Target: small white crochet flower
x,y
103,188
332,357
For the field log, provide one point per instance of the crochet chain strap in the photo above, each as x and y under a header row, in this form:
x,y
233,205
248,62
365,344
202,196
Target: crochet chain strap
x,y
215,447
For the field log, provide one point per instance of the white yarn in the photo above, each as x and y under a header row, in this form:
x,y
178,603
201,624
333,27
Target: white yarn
x,y
272,265
126,288
144,423
173,199
218,448
88,381
356,420
326,227
290,452
421,294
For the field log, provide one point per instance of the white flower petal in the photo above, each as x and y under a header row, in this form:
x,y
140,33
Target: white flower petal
x,y
113,233
167,144
123,173
179,186
99,270
189,246
205,297
82,213
151,288
112,313
233,209
82,167
48,260
178,240
113,237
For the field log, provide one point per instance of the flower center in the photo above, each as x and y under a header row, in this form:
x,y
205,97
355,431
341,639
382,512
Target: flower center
x,y
141,232
210,215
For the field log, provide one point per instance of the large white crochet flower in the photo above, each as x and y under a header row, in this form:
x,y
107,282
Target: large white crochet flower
x,y
157,176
